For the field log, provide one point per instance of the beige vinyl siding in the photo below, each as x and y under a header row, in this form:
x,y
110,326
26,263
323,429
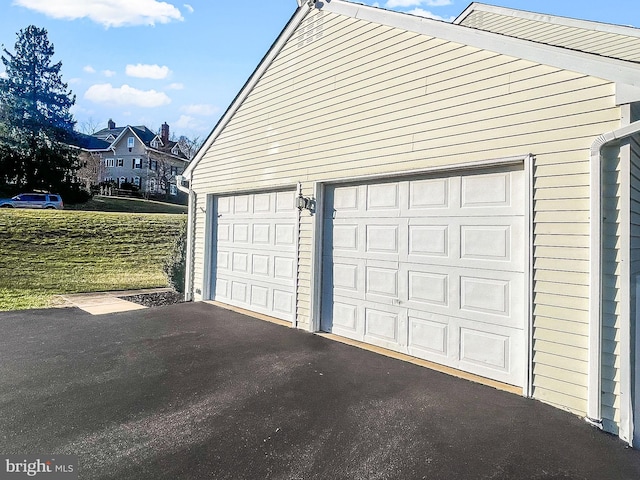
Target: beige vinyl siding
x,y
605,43
370,100
305,247
634,243
200,242
611,286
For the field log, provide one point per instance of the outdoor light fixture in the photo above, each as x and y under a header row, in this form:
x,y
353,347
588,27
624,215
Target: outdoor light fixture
x,y
303,202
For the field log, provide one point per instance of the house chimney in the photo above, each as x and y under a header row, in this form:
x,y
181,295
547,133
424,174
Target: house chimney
x,y
164,133
111,124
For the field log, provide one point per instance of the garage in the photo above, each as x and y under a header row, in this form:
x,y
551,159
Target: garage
x,y
255,252
434,267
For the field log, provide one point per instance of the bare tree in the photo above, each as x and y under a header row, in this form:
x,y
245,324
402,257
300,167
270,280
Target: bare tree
x,y
91,168
190,146
90,126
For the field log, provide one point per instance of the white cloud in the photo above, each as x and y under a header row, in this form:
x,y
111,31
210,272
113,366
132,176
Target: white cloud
x,y
201,109
155,72
188,123
126,95
189,8
424,13
402,3
176,86
110,13
71,81
417,3
89,69
109,73
3,74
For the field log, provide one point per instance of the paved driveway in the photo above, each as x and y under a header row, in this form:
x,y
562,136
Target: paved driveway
x,y
192,391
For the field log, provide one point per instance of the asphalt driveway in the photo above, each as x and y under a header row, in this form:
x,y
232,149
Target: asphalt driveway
x,y
193,391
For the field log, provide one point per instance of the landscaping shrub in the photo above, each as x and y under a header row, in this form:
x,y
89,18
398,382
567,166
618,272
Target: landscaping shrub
x,y
176,264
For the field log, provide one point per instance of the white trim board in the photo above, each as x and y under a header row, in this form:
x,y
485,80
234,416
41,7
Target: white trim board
x,y
546,18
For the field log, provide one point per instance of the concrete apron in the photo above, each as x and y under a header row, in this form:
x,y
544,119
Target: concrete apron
x,y
101,303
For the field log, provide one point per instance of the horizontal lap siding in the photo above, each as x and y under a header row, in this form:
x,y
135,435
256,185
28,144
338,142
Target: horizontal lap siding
x,y
199,241
612,285
609,44
635,260
368,99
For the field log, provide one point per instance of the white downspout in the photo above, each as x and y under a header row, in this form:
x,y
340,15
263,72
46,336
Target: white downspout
x,y
594,396
188,287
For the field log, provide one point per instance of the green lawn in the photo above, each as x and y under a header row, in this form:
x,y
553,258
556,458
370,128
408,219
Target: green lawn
x,y
44,253
131,205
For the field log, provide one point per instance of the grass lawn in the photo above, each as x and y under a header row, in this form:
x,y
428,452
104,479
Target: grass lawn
x,y
49,252
131,205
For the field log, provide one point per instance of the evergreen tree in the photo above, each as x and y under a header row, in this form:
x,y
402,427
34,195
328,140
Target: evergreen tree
x,y
36,126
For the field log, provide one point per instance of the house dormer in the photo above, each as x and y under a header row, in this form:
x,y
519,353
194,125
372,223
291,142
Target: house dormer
x,y
176,149
110,138
156,142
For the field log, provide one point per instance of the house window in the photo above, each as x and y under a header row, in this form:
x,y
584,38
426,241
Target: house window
x,y
153,165
130,142
152,185
121,180
174,170
154,144
136,181
121,162
110,162
175,150
137,163
173,190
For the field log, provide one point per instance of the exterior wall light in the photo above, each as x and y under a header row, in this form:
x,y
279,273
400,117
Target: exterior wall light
x,y
303,202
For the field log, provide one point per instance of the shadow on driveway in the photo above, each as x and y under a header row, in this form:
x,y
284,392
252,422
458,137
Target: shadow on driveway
x,y
192,391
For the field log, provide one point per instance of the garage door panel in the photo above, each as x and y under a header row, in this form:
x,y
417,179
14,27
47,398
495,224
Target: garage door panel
x,y
485,349
433,267
491,351
255,249
429,241
429,337
430,288
385,326
283,302
344,319
430,196
382,239
382,281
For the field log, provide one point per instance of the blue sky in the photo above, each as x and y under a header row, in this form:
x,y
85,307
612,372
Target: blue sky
x,y
144,62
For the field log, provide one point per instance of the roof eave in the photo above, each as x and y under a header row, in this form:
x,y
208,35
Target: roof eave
x,y
553,19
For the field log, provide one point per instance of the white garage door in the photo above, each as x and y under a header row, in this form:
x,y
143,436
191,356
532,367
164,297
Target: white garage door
x,y
254,265
432,267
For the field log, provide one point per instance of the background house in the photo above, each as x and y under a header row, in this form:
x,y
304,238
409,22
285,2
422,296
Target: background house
x,y
132,156
470,196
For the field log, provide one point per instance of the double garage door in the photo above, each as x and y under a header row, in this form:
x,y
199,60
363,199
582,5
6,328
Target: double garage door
x,y
431,267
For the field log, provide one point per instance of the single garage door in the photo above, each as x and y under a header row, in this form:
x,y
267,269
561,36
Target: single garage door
x,y
432,267
255,251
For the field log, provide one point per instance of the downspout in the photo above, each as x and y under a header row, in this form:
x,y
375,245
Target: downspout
x,y
594,396
188,287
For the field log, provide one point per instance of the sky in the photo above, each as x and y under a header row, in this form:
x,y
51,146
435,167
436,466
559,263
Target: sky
x,y
146,62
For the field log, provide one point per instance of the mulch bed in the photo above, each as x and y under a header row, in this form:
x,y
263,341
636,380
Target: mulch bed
x,y
157,299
